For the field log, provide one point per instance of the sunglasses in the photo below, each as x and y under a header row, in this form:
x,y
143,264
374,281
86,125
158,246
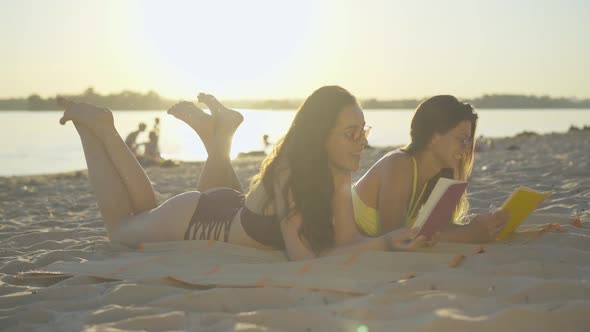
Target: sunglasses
x,y
356,136
466,142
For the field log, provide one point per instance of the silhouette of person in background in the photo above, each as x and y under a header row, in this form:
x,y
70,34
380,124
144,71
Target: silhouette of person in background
x,y
151,148
265,141
156,129
132,138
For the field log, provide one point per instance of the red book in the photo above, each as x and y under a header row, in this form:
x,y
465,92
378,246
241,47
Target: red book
x,y
437,212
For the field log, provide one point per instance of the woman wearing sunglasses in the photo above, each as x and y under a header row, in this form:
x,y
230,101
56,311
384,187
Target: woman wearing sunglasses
x,y
391,193
300,201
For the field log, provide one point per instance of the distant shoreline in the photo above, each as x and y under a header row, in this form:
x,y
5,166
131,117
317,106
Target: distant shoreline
x,y
131,101
532,109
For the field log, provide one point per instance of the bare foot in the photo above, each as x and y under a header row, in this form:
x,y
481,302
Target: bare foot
x,y
196,118
228,120
85,114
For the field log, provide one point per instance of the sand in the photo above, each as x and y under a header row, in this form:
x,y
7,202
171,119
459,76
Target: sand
x,y
537,281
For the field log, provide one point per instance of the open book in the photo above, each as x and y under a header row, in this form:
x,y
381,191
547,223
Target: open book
x,y
438,210
520,205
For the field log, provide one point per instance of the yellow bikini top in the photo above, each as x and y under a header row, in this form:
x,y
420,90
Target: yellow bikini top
x,y
367,218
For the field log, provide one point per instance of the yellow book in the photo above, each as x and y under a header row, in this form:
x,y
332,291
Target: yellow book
x,y
520,205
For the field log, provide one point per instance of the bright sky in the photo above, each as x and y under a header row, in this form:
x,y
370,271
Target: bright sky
x,y
278,49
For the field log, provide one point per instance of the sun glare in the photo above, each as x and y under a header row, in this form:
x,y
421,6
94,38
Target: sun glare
x,y
222,46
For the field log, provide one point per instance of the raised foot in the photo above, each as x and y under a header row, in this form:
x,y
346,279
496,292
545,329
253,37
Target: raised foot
x,y
86,114
195,117
228,120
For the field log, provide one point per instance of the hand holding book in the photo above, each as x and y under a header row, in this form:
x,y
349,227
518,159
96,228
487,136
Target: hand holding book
x,y
405,239
486,226
437,213
500,223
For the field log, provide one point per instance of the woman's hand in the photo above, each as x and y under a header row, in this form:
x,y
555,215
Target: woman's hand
x,y
404,239
486,226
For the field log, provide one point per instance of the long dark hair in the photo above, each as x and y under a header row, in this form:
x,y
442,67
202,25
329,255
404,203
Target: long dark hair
x,y
302,151
439,114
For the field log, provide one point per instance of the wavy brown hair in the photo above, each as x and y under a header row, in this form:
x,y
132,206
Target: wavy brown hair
x,y
302,151
440,114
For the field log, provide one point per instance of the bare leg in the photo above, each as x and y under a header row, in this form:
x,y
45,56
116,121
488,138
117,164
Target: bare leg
x,y
167,222
110,190
218,165
218,172
100,122
216,131
138,184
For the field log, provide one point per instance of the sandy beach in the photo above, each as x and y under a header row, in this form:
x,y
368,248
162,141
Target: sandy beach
x,y
59,272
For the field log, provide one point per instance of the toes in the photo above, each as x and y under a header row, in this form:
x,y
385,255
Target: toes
x,y
205,97
178,107
212,103
186,110
172,109
66,105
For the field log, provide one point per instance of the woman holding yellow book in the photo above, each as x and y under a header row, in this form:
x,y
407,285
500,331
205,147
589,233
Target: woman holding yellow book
x,y
390,194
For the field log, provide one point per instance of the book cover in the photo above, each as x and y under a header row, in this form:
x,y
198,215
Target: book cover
x,y
521,203
438,210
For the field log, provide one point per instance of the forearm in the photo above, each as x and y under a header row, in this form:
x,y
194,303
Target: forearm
x,y
365,244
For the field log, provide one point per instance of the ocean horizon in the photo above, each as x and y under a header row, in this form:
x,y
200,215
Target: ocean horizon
x,y
34,142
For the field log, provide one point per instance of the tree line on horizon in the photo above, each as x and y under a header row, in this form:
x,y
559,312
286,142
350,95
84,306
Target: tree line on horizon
x,y
130,100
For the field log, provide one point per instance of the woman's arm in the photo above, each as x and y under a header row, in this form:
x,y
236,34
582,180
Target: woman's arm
x,y
294,246
345,231
298,249
483,228
401,239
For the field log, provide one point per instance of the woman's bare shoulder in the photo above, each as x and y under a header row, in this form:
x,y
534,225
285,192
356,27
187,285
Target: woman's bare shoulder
x,y
396,174
396,160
